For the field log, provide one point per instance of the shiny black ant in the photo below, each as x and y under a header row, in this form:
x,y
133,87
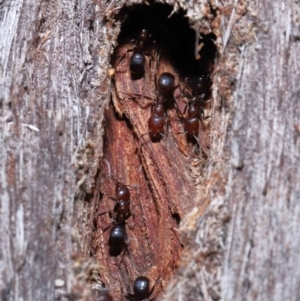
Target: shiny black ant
x,y
192,121
121,209
141,289
117,241
117,238
165,85
200,87
137,59
122,199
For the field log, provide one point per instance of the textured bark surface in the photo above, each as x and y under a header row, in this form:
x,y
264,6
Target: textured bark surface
x,y
54,89
246,244
163,171
49,62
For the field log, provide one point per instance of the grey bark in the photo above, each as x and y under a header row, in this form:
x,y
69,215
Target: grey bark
x,y
49,104
53,90
247,242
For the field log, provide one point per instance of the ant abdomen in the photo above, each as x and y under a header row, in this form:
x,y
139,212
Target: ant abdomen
x,y
191,126
166,84
137,63
156,122
117,240
141,287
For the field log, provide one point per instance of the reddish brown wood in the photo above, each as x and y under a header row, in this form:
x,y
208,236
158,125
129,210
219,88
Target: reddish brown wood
x,y
54,88
165,192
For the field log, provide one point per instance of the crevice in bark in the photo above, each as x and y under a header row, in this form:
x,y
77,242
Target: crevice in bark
x,y
168,170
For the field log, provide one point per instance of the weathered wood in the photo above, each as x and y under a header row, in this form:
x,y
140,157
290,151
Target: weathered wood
x,y
49,60
53,91
246,244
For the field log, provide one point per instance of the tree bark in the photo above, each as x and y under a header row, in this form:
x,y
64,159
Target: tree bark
x,y
54,88
51,102
246,244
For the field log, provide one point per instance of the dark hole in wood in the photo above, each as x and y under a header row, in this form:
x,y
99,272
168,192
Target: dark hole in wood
x,y
173,33
158,205
177,218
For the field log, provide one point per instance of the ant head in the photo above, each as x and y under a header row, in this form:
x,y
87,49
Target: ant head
x,y
137,63
122,192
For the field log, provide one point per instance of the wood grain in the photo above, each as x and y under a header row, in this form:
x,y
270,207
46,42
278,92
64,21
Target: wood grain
x,y
165,192
54,89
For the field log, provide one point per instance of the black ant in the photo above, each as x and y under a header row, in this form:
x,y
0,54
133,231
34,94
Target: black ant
x,y
117,237
121,209
165,85
191,122
137,59
200,87
141,289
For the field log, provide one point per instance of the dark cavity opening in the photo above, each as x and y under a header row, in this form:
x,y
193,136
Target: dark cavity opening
x,y
173,33
177,218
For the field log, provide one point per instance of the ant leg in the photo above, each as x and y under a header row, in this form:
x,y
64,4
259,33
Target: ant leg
x,y
122,258
130,297
145,134
111,197
205,150
106,229
136,97
153,287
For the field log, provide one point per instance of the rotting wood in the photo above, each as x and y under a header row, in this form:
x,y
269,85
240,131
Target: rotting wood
x,y
51,81
162,172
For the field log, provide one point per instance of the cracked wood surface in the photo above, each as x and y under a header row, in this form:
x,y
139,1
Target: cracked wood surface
x,y
53,93
247,241
165,191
